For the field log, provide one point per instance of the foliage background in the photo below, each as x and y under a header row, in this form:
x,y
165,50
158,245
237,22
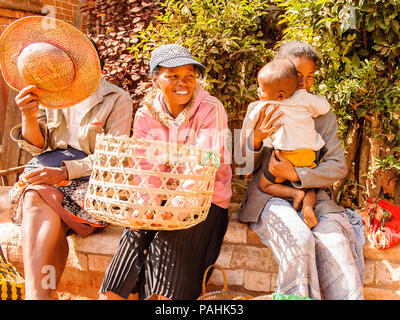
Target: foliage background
x,y
359,73
113,25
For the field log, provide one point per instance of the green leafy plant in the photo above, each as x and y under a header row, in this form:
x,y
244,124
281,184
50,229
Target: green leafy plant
x,y
390,162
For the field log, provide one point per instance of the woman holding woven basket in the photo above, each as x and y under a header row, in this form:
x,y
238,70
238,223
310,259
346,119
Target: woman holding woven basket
x,y
64,104
170,264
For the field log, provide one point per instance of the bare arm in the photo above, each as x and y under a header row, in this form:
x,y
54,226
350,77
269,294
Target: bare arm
x,y
28,102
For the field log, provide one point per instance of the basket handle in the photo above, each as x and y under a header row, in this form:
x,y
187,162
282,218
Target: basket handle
x,y
203,289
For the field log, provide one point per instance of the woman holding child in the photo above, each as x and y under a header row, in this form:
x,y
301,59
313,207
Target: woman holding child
x,y
319,261
171,264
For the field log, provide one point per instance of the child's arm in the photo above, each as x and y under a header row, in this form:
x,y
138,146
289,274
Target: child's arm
x,y
264,183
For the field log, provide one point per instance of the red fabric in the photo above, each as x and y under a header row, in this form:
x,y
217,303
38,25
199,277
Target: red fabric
x,y
389,235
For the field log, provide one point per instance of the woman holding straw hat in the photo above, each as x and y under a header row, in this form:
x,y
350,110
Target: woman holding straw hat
x,y
64,103
170,264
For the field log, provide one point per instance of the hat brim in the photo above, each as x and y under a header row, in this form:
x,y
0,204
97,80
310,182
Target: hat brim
x,y
32,29
181,61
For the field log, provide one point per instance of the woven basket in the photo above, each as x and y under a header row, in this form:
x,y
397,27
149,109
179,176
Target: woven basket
x,y
12,285
223,294
152,185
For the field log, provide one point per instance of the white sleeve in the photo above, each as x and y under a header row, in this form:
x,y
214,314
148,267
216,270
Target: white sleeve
x,y
318,104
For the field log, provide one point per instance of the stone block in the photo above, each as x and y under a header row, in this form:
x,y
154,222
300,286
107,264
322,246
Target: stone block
x,y
237,232
10,234
81,283
274,282
380,294
261,259
99,262
225,255
104,242
76,259
14,253
369,272
392,254
233,277
257,281
253,258
387,274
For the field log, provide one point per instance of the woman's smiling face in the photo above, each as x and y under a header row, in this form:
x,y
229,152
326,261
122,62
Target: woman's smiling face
x,y
177,84
306,68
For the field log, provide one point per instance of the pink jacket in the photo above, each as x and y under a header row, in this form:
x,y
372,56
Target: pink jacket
x,y
199,128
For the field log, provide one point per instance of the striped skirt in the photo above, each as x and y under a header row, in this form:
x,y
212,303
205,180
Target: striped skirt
x,y
167,263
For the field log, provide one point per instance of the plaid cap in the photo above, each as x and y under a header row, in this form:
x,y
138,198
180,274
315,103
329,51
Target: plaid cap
x,y
171,56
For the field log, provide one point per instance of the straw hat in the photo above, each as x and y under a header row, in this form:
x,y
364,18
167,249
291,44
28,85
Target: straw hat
x,y
54,56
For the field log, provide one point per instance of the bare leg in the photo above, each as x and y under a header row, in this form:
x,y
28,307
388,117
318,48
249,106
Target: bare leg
x,y
309,201
282,191
44,247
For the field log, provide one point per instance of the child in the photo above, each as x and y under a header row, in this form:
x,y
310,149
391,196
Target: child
x,y
296,139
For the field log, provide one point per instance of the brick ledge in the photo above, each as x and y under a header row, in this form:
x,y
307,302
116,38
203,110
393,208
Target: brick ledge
x,y
250,266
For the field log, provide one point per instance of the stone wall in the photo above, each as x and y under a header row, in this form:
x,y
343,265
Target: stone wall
x,y
248,264
382,273
63,9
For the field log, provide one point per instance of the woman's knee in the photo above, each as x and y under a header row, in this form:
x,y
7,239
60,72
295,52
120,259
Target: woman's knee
x,y
279,217
32,199
330,233
36,209
332,241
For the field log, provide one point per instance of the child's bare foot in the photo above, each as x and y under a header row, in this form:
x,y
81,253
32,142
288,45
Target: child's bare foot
x,y
309,216
298,196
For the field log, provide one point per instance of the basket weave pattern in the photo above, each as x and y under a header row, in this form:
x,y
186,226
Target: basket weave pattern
x,y
153,185
12,284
